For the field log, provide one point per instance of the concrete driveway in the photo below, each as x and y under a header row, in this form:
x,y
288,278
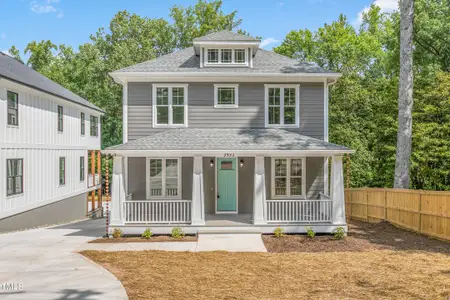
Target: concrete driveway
x,y
42,264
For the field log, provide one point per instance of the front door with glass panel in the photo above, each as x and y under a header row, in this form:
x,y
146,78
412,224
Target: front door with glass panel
x,y
226,185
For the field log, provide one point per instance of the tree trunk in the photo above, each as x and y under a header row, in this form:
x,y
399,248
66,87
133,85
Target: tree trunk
x,y
405,95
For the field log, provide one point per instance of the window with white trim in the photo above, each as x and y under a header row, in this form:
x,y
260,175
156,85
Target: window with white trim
x,y
213,56
83,123
282,105
13,108
62,171
226,96
94,125
14,177
288,177
60,118
170,105
226,56
163,178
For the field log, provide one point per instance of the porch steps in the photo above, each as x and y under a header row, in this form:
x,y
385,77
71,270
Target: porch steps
x,y
228,230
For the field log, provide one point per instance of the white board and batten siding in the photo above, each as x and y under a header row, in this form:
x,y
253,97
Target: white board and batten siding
x,y
37,141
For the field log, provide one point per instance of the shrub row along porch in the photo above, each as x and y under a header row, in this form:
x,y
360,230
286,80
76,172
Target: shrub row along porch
x,y
227,179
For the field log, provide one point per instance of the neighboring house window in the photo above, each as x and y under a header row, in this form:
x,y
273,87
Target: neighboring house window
x,y
60,118
163,179
213,56
62,171
81,168
14,177
94,126
83,125
226,96
282,105
226,56
239,56
13,108
170,105
288,178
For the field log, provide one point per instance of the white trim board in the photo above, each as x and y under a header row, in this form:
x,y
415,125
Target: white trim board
x,y
220,153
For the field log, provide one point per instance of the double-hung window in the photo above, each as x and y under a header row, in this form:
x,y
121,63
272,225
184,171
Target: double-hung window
x,y
170,105
14,177
60,118
226,96
62,171
94,125
83,125
13,108
163,178
288,178
282,105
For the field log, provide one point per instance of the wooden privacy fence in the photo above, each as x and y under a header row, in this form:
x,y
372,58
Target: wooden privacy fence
x,y
427,212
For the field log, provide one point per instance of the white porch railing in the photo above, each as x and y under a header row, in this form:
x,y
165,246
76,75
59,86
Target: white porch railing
x,y
158,211
93,180
298,211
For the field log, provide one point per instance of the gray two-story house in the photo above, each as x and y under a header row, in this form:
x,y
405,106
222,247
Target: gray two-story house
x,y
226,136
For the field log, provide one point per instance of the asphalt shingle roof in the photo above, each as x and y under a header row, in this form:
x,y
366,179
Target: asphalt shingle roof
x,y
14,70
227,139
225,35
186,61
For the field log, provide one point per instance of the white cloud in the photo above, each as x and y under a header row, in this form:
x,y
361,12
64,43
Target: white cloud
x,y
281,4
386,6
268,41
45,7
2,36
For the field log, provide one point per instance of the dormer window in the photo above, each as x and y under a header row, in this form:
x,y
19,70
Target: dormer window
x,y
226,56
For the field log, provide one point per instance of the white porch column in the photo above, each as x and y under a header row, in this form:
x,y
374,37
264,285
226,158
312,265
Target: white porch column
x,y
117,192
259,192
337,190
198,198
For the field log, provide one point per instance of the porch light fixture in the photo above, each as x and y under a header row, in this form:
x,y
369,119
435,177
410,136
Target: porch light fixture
x,y
211,163
241,162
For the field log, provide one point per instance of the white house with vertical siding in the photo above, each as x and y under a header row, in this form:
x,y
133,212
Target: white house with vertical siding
x,y
46,132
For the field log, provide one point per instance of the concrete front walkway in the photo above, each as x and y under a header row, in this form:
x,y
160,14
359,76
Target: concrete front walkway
x,y
42,264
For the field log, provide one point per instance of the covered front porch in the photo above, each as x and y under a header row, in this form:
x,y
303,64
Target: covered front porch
x,y
230,189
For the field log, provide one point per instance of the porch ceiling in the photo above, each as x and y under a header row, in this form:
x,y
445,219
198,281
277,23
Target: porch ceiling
x,y
209,140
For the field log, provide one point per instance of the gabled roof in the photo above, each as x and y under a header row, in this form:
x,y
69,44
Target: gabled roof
x,y
210,139
225,36
14,70
264,62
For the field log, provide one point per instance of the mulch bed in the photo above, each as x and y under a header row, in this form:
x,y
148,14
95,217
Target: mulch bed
x,y
362,237
153,239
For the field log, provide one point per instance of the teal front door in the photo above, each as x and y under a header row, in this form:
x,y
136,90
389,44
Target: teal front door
x,y
226,185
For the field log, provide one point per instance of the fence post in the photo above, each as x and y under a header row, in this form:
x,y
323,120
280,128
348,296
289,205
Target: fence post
x,y
420,211
385,205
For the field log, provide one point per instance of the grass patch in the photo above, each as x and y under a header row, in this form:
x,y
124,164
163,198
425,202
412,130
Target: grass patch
x,y
376,274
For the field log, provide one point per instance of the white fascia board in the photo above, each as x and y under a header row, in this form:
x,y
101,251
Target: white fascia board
x,y
227,43
121,77
221,153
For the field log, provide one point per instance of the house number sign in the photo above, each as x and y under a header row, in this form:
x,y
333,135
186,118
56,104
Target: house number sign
x,y
228,155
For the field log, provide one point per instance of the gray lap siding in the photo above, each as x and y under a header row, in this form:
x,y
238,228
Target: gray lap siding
x,y
201,111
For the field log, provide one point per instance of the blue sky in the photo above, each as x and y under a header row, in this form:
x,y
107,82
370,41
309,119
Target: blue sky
x,y
71,22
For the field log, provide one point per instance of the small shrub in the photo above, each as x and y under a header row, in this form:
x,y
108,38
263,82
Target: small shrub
x,y
339,233
177,233
147,233
117,233
279,232
310,232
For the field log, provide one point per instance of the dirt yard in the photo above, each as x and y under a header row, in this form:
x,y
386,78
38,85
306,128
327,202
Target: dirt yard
x,y
362,237
374,262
